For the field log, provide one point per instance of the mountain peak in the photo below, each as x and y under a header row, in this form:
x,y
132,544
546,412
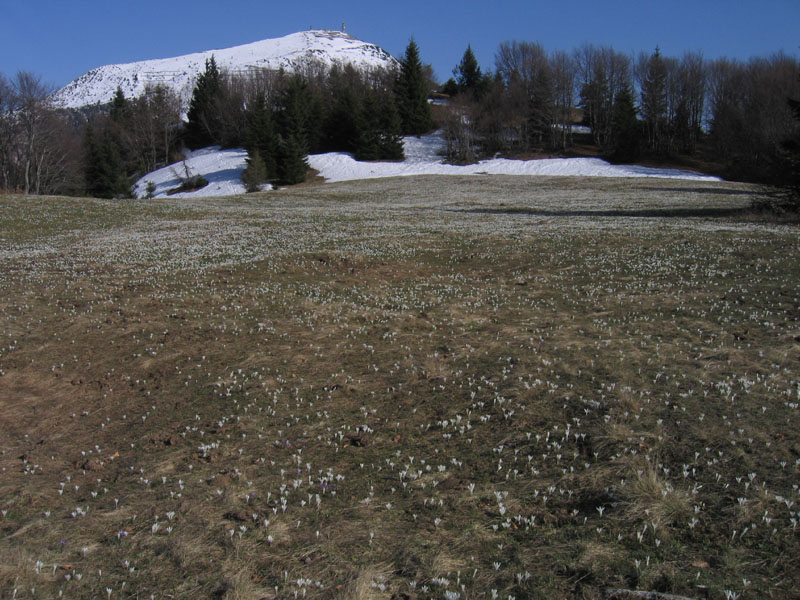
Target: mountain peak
x,y
292,53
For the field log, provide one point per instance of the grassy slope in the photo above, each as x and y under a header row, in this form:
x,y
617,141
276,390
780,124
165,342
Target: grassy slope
x,y
477,386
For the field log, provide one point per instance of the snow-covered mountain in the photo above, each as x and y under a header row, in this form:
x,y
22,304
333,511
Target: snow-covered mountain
x,y
292,53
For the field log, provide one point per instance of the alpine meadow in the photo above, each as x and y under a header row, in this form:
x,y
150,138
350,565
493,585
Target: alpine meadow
x,y
296,320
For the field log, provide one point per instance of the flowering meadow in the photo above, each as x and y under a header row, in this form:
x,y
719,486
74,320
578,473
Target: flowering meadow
x,y
451,388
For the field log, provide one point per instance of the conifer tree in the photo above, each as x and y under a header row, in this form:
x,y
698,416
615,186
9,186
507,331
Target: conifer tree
x,y
468,73
104,174
203,121
368,146
412,97
654,99
255,173
260,136
292,165
626,131
342,125
391,138
120,108
294,124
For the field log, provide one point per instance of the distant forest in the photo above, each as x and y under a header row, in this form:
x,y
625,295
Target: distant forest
x,y
740,120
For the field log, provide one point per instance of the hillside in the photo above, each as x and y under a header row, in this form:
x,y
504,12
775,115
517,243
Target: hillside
x,y
291,53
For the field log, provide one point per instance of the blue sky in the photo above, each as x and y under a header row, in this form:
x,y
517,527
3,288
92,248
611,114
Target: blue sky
x,y
62,39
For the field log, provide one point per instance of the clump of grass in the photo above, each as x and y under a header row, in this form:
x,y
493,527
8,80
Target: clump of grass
x,y
651,498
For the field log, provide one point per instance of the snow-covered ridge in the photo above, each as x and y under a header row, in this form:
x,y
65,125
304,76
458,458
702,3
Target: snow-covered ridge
x,y
292,53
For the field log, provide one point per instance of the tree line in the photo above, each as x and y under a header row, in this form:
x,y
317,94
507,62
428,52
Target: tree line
x,y
279,118
733,113
740,116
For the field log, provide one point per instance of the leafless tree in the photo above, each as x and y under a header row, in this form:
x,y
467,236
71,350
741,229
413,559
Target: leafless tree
x,y
526,72
156,122
42,155
8,133
749,112
564,71
602,74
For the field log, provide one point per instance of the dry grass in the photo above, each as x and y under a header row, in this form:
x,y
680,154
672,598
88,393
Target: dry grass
x,y
400,389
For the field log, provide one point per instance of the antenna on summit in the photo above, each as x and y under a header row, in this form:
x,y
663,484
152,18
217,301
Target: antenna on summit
x,y
344,29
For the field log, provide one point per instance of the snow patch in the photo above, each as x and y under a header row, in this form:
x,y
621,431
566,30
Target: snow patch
x,y
423,156
222,168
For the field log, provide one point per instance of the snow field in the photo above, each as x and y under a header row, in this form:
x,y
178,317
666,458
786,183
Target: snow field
x,y
223,168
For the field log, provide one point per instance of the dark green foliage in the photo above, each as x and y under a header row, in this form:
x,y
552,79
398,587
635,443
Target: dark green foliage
x,y
260,135
626,128
295,121
104,173
654,101
379,134
343,122
469,78
412,94
121,111
255,173
292,166
204,121
450,88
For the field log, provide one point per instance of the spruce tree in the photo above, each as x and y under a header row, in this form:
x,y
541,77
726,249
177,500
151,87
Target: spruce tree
x,y
121,111
654,100
412,96
260,135
292,165
368,145
103,170
255,173
203,122
391,138
294,122
625,128
342,126
468,73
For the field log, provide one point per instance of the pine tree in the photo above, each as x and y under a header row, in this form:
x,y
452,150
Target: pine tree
x,y
368,146
255,173
292,165
412,95
294,122
626,131
654,100
342,126
468,73
391,138
260,135
103,170
203,122
120,108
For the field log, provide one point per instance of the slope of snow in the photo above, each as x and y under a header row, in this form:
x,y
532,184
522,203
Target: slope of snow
x,y
423,158
292,52
223,168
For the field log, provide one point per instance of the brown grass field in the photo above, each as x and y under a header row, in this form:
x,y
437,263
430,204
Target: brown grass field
x,y
457,388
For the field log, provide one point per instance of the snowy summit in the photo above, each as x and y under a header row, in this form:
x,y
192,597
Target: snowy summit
x,y
292,53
